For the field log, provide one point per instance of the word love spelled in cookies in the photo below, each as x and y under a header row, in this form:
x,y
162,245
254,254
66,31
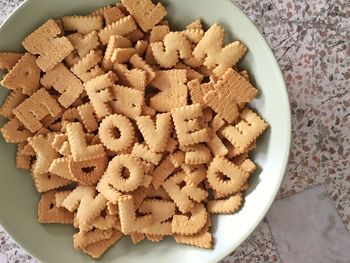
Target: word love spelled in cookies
x,y
129,128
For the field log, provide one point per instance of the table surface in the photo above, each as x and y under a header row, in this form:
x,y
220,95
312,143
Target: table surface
x,y
310,220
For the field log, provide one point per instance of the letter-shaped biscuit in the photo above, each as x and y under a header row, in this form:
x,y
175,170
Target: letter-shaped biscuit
x,y
145,12
108,136
173,93
216,56
175,46
245,132
161,210
225,177
48,212
155,132
187,125
100,94
64,81
88,203
24,75
31,111
45,42
121,181
80,150
128,220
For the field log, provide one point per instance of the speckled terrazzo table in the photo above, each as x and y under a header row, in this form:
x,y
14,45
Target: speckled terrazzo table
x,y
310,220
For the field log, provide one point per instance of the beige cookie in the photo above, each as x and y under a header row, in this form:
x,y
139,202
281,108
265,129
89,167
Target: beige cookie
x,y
46,43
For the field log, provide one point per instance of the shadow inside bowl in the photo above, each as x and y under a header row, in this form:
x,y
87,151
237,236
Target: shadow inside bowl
x,y
59,230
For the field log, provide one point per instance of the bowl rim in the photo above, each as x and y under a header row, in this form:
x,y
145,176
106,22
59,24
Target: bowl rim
x,y
288,131
286,153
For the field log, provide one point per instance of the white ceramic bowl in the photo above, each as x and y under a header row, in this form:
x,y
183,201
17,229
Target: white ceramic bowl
x,y
53,243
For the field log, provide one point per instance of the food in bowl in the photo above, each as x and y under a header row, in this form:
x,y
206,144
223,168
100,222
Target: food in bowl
x,y
129,128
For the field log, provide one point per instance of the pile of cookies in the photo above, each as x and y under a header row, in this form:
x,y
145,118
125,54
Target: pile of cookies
x,y
129,128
